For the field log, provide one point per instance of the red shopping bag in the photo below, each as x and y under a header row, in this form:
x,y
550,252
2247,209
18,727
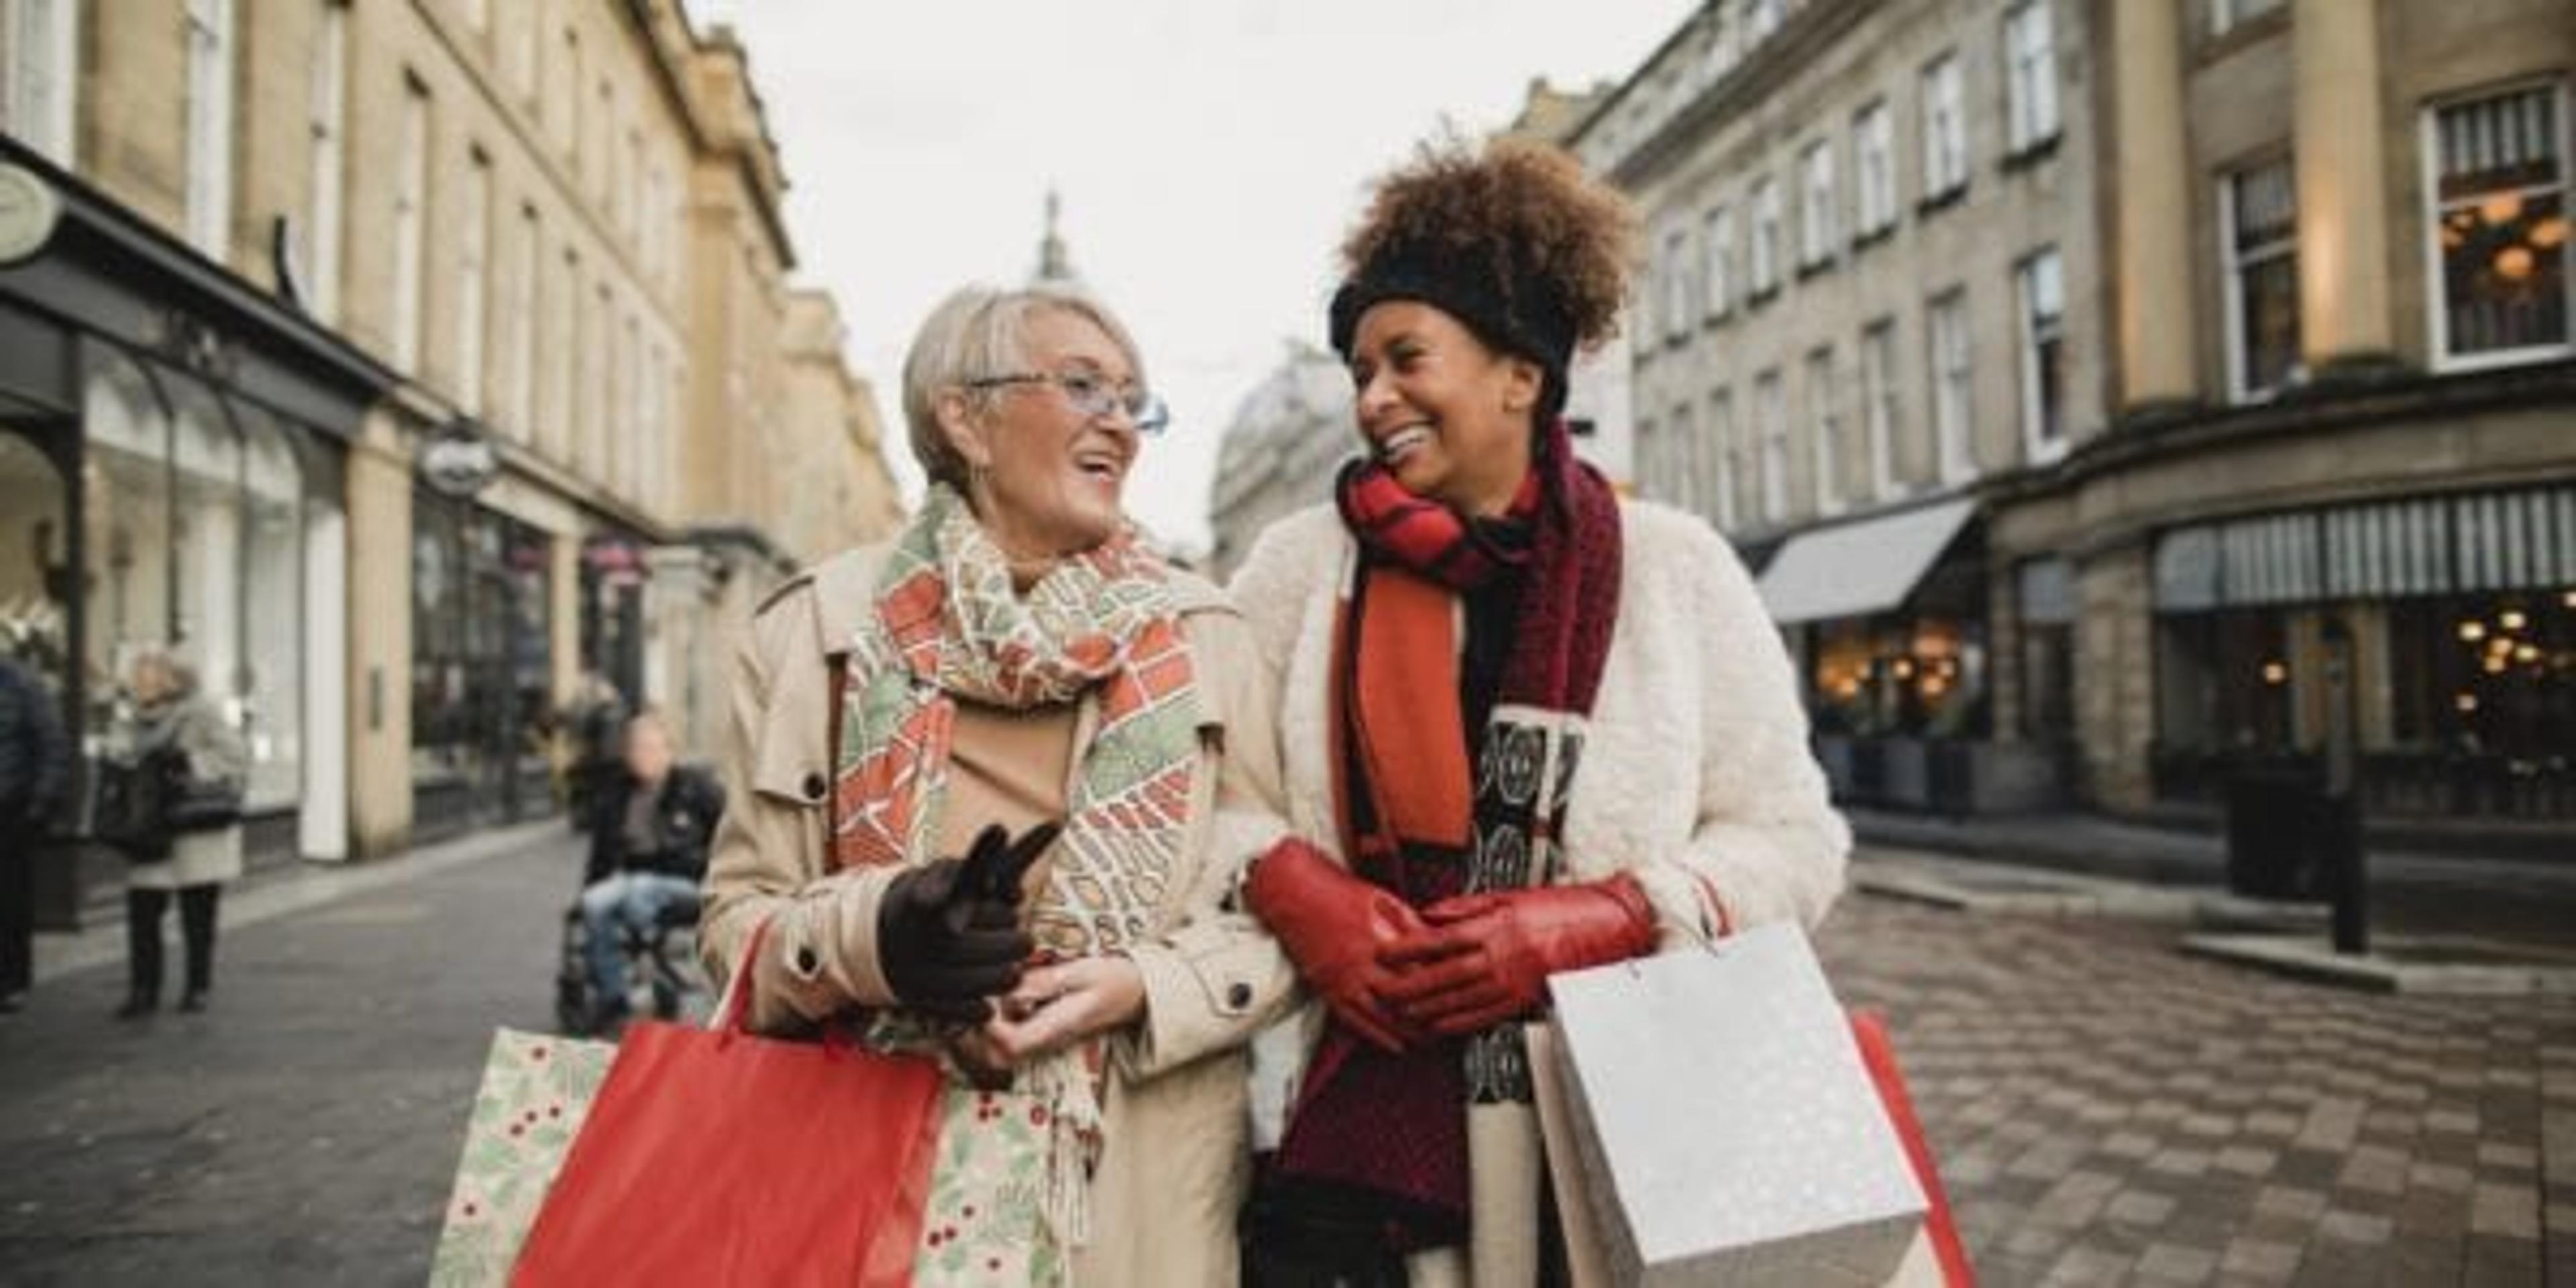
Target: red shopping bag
x,y
712,1157
1880,1055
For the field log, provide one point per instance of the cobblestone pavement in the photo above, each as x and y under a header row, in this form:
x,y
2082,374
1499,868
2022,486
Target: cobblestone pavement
x,y
2107,1110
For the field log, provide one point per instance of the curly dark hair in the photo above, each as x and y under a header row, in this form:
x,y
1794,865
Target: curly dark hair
x,y
1519,221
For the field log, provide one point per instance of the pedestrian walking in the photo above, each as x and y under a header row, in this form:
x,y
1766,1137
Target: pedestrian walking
x,y
170,717
593,720
646,856
1535,726
1017,661
35,768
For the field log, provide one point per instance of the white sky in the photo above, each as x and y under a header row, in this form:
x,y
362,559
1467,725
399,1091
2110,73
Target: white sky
x,y
1211,153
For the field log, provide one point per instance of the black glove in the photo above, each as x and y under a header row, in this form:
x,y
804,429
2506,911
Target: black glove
x,y
948,931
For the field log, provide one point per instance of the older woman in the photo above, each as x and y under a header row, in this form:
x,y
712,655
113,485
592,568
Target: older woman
x,y
1532,728
1017,658
170,717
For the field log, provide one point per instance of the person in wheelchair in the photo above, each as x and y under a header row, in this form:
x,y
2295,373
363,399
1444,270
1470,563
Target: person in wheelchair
x,y
648,851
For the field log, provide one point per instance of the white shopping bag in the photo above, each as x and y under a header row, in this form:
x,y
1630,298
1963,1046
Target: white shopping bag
x,y
1725,1126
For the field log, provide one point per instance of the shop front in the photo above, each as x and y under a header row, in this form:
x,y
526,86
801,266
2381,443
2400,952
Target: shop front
x,y
2462,613
171,455
1887,616
482,665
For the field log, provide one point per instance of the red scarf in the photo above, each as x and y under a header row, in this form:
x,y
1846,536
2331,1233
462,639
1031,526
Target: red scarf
x,y
1411,809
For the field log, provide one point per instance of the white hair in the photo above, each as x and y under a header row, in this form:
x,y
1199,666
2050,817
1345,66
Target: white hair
x,y
976,333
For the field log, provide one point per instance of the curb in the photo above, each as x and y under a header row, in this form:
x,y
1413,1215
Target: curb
x,y
60,953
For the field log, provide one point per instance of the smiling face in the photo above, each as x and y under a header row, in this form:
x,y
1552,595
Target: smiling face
x,y
1051,476
1446,414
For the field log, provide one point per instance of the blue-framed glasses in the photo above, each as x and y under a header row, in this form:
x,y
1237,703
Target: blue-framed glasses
x,y
1094,395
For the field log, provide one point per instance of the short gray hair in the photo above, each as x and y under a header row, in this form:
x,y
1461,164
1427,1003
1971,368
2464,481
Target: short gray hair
x,y
982,331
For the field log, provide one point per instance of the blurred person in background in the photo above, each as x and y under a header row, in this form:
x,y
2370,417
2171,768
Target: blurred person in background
x,y
170,717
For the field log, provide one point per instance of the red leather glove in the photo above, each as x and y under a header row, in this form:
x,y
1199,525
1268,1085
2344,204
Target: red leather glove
x,y
1333,923
1485,958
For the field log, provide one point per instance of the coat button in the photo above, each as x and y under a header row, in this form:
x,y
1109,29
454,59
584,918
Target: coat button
x,y
1238,996
814,786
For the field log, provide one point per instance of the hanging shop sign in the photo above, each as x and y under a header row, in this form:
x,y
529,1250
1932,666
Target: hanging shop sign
x,y
29,211
460,460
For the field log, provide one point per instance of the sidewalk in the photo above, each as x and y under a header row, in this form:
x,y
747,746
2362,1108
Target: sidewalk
x,y
278,892
2509,899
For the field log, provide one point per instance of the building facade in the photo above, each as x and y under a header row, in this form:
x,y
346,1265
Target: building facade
x,y
2117,393
371,354
1869,293
1288,438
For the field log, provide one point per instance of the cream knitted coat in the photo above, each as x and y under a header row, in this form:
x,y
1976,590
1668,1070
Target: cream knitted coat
x,y
1696,774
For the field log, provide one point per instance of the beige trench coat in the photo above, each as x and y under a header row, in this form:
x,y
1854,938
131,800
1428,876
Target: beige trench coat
x,y
1176,1157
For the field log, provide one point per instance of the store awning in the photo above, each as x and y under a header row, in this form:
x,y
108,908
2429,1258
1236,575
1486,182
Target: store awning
x,y
1855,569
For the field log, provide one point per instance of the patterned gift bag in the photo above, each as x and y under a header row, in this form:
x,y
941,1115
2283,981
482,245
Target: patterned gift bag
x,y
536,1090
986,1221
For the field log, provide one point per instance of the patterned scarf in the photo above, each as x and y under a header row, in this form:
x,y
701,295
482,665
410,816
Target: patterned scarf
x,y
948,625
1422,820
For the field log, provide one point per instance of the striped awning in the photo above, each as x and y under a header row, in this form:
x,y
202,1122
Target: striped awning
x,y
2484,541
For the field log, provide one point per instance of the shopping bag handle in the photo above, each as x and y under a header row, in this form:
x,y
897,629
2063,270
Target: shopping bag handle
x,y
733,1010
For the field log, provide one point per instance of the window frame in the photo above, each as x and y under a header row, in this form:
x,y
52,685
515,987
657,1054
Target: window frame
x,y
1764,268
1879,406
44,114
1771,443
2030,80
1875,205
1947,159
2233,263
1819,231
1717,253
2436,295
2041,443
1825,430
1953,437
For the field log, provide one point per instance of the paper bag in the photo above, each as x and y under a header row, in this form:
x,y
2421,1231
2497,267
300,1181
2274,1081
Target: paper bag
x,y
536,1090
1726,1127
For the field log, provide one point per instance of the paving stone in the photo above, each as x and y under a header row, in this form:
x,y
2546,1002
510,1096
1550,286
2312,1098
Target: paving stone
x,y
2261,1258
2506,1210
2374,1170
2493,1154
2436,1176
2300,1205
2175,1263
2246,1160
2139,1207
2343,1226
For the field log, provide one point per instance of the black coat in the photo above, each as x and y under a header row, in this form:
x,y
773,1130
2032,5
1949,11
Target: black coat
x,y
35,757
684,822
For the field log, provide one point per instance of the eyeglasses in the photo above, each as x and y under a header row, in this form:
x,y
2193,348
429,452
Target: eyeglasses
x,y
1093,395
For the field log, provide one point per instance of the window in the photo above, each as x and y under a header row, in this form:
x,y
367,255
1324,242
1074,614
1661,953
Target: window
x,y
555,435
473,235
521,319
1878,405
596,436
1824,410
1945,129
2258,215
565,92
1681,460
2043,356
1720,456
411,198
1874,149
1766,238
1771,421
1950,395
1761,18
1717,256
2226,15
2030,69
325,112
1678,311
1816,231
1725,41
2500,191
210,124
40,73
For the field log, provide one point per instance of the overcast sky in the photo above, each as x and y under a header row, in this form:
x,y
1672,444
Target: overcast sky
x,y
1210,154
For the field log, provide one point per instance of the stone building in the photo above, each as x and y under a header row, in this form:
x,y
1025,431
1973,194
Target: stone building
x,y
398,362
1869,293
1279,454
2081,374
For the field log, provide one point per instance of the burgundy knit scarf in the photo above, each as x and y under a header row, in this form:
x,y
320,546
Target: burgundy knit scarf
x,y
1417,818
